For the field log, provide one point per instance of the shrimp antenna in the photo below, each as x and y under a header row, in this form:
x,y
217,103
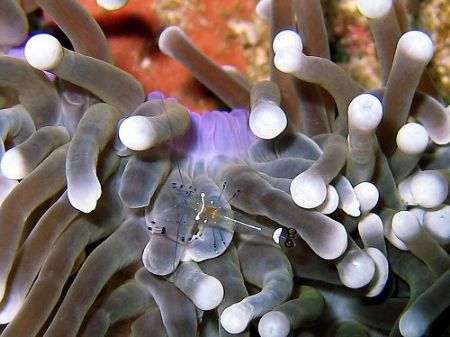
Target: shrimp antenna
x,y
235,194
177,240
171,135
224,185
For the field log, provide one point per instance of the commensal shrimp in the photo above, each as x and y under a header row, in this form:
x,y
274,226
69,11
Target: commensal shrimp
x,y
209,224
191,219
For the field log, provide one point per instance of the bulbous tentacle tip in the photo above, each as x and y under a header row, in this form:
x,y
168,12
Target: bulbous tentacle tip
x,y
374,9
166,36
209,294
43,52
263,9
13,165
287,38
235,318
405,225
367,195
412,139
267,120
308,191
135,132
274,324
429,188
84,198
365,112
356,270
112,5
416,45
9,308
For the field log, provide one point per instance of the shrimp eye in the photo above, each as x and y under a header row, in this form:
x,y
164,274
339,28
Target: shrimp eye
x,y
285,236
291,233
289,243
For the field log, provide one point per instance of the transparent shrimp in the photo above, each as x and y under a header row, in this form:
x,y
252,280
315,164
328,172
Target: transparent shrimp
x,y
214,222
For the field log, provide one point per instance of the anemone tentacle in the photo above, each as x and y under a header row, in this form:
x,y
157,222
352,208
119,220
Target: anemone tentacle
x,y
314,206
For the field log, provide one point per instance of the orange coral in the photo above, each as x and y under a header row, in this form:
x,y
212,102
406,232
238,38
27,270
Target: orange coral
x,y
229,32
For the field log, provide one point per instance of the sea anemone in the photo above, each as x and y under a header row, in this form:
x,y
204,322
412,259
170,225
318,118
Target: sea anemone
x,y
313,206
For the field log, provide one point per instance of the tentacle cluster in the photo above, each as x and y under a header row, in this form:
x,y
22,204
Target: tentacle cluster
x,y
313,206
